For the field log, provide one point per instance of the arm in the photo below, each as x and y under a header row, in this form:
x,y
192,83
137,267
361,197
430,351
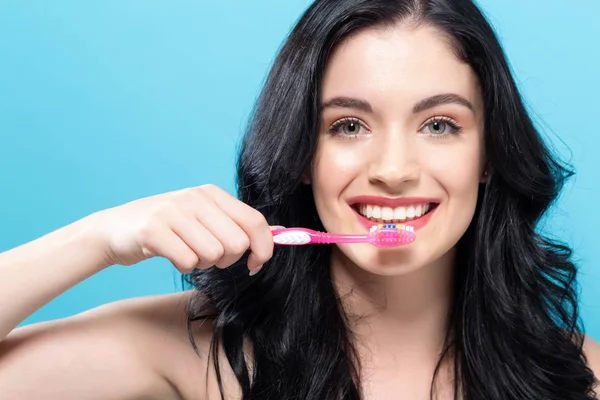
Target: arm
x,y
118,352
39,271
95,355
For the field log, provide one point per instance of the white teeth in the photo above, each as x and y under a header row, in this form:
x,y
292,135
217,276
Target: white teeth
x,y
418,210
398,214
387,213
376,212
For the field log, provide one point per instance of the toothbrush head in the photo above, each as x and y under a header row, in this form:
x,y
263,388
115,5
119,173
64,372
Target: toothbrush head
x,y
391,235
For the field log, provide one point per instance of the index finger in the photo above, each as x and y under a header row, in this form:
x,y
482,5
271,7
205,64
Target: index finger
x,y
253,223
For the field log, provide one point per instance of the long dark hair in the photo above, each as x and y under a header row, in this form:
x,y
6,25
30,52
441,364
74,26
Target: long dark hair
x,y
514,331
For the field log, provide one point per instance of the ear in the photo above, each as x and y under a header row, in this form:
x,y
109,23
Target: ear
x,y
307,176
306,179
485,174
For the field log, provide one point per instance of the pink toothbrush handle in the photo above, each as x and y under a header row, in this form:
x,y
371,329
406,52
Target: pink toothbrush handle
x,y
388,235
302,236
333,238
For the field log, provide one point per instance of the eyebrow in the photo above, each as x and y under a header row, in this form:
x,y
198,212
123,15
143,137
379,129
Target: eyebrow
x,y
348,102
425,104
439,99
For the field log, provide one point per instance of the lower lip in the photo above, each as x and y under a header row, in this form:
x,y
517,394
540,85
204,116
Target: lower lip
x,y
415,223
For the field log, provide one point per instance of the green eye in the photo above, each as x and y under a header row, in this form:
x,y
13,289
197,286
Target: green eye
x,y
348,127
437,127
441,126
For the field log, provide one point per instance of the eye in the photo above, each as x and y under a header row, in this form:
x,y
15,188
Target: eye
x,y
441,126
348,127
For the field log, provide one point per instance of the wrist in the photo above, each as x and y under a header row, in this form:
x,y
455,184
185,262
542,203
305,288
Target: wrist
x,y
86,234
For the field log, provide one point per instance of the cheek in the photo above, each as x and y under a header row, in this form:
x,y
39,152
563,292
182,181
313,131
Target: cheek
x,y
457,168
457,171
334,167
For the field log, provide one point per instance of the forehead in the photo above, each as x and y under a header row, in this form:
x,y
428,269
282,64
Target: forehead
x,y
398,64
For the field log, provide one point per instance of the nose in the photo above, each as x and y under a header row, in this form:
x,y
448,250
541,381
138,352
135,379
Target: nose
x,y
395,162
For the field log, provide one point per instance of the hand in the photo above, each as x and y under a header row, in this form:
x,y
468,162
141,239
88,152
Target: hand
x,y
193,228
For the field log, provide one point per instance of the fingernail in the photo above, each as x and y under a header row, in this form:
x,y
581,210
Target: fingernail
x,y
255,270
275,227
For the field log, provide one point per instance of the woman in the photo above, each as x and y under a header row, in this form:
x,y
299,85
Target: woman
x,y
375,110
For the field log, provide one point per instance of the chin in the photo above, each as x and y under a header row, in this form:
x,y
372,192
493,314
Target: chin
x,y
384,262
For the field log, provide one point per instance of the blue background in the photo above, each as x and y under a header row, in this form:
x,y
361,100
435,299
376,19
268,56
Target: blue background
x,y
108,101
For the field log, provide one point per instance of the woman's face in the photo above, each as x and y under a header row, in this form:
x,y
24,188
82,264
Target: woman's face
x,y
401,141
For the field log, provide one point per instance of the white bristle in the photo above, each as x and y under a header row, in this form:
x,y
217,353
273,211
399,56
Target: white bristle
x,y
291,238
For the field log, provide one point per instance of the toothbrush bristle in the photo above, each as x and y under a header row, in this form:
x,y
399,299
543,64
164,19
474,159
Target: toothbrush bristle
x,y
391,235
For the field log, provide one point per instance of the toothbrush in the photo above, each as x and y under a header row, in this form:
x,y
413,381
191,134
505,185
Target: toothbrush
x,y
382,235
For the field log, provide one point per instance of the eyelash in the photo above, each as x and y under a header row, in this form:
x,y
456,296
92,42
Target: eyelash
x,y
333,130
454,126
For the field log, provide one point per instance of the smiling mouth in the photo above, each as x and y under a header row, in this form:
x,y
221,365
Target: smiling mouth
x,y
392,215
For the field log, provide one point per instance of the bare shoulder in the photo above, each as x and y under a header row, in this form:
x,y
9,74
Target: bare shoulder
x,y
591,350
188,367
140,347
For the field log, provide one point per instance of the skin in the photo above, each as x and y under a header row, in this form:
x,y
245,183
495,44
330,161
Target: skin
x,y
402,295
394,152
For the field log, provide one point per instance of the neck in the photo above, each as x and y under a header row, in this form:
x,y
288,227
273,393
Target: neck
x,y
405,313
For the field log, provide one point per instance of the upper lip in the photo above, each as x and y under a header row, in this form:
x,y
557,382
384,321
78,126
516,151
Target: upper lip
x,y
391,201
